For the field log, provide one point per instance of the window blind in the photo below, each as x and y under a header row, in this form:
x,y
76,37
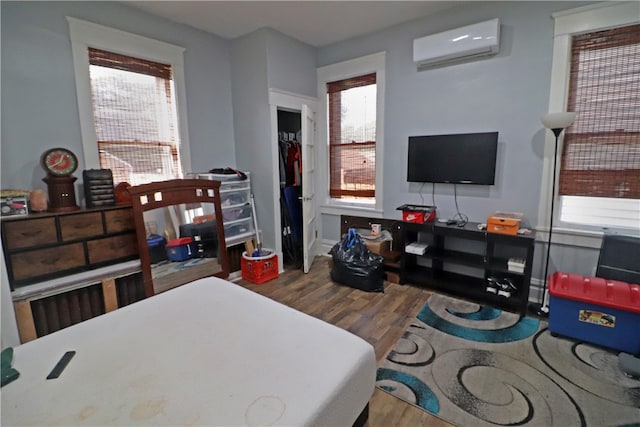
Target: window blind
x,y
352,147
134,117
601,153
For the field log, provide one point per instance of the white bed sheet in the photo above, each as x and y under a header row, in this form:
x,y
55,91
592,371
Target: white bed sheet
x,y
206,353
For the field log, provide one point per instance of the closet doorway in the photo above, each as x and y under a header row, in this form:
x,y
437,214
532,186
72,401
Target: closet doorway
x,y
293,129
290,159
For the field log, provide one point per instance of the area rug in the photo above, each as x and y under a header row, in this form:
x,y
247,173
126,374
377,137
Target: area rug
x,y
478,366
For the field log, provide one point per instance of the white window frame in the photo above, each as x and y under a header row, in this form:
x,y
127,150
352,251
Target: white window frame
x,y
566,24
374,63
84,34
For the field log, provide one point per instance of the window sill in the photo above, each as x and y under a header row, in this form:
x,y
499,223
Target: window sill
x,y
571,237
371,212
578,237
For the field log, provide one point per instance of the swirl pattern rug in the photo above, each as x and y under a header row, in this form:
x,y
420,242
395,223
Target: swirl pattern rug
x,y
479,366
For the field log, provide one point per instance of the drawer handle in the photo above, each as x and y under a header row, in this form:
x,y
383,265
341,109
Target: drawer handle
x,y
118,245
30,233
51,261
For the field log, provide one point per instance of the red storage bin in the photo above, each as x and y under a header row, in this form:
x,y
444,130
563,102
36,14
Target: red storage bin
x,y
259,269
596,310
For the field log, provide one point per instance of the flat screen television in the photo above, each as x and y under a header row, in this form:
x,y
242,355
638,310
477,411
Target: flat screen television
x,y
465,158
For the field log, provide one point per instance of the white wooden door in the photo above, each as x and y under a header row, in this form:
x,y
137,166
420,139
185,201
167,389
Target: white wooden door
x,y
309,233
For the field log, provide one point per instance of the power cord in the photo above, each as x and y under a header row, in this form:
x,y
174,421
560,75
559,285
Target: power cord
x,y
433,194
460,218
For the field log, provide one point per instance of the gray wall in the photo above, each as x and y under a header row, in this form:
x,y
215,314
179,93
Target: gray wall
x,y
227,100
291,65
265,59
39,106
506,93
252,123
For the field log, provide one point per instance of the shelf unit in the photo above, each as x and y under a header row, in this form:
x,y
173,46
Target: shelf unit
x,y
235,201
459,260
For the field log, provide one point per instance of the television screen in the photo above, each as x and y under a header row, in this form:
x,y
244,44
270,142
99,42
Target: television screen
x,y
467,158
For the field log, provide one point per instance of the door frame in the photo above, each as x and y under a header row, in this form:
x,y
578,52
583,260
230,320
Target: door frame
x,y
288,101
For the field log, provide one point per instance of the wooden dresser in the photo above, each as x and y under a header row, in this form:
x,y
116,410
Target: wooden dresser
x,y
67,267
44,246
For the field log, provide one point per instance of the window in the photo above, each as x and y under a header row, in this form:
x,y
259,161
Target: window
x,y
581,218
351,125
600,169
131,100
352,137
134,117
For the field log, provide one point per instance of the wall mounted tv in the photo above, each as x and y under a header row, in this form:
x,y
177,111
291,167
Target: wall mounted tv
x,y
465,158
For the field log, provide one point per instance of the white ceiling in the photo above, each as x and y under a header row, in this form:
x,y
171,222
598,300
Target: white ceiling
x,y
317,23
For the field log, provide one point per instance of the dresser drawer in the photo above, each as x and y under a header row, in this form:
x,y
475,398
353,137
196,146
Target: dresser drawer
x,y
119,220
32,232
112,248
73,227
40,262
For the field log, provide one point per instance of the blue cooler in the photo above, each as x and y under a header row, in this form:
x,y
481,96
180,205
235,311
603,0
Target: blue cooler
x,y
157,251
180,249
596,310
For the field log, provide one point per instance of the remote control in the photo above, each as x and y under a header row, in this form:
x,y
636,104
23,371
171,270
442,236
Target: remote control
x,y
62,363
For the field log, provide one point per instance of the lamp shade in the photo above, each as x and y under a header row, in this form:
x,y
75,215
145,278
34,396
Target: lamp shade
x,y
558,120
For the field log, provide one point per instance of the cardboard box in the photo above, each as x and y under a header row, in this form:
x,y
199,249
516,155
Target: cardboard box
x,y
417,213
418,217
504,222
379,247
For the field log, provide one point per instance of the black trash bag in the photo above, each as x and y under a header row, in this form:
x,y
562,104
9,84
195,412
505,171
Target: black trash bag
x,y
355,265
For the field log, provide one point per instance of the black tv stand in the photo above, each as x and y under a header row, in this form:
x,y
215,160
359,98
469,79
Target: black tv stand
x,y
459,260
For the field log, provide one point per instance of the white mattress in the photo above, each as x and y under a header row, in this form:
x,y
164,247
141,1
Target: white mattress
x,y
207,353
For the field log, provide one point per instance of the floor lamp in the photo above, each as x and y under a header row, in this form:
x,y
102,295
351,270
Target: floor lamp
x,y
557,122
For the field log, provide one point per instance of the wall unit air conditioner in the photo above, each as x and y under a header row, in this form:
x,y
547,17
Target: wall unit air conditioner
x,y
462,43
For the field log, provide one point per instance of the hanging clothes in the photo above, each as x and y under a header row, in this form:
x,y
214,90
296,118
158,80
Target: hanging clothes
x,y
291,196
282,156
294,164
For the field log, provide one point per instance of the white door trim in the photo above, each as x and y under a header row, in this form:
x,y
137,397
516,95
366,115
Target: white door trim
x,y
290,101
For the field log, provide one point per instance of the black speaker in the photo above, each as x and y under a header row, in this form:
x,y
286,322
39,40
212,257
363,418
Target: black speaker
x,y
98,187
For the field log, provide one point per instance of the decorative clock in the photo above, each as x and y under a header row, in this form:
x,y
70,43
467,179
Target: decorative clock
x,y
60,164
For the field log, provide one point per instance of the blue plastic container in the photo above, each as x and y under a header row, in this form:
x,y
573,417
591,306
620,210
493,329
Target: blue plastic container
x,y
180,249
595,310
157,249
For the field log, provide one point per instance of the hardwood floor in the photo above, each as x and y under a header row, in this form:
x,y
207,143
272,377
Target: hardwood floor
x,y
378,318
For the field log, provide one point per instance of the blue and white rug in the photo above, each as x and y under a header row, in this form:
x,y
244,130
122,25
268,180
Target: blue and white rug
x,y
479,366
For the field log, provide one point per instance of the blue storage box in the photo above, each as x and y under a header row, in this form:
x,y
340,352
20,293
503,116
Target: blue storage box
x,y
157,250
180,249
595,310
